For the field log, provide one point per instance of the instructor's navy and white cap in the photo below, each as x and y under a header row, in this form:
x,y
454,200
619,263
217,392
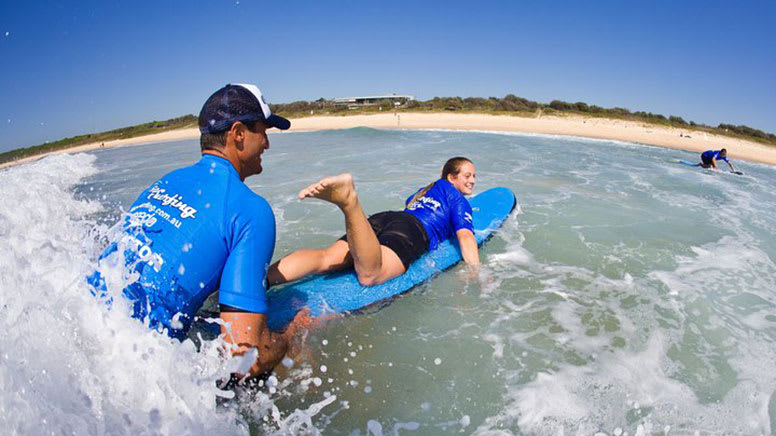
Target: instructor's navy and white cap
x,y
237,102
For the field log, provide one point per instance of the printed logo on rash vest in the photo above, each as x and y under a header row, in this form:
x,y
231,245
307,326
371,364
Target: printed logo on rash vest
x,y
175,201
424,201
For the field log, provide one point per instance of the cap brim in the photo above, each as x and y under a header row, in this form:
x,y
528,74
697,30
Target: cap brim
x,y
278,122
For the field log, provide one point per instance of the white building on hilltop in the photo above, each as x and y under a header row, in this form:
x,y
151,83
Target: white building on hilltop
x,y
372,100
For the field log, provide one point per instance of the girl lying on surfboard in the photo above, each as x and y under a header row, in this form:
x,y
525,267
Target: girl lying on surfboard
x,y
384,245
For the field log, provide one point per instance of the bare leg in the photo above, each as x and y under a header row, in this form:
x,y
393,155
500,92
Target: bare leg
x,y
373,263
303,262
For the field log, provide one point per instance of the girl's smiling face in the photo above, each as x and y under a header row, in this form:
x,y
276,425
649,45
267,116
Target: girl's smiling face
x,y
465,179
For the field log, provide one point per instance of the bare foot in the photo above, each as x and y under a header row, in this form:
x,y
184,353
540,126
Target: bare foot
x,y
339,190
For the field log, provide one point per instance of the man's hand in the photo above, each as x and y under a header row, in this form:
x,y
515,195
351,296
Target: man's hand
x,y
296,332
249,330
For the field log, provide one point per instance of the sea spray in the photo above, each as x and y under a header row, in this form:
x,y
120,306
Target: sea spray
x,y
73,365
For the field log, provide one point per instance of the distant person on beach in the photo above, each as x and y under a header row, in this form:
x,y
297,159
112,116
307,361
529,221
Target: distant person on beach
x,y
200,229
384,245
709,159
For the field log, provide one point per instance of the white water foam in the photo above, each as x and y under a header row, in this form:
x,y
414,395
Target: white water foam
x,y
623,390
70,365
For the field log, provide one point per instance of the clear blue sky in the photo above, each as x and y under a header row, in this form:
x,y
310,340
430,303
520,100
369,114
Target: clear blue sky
x,y
84,66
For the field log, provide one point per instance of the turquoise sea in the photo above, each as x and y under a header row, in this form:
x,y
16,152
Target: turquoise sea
x,y
629,295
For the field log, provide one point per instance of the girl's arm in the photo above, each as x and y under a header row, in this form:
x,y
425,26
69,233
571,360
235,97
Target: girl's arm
x,y
469,250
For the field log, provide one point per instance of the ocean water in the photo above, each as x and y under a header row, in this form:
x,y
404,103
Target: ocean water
x,y
628,295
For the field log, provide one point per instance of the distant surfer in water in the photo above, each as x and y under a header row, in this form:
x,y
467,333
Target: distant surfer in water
x,y
709,159
200,229
384,245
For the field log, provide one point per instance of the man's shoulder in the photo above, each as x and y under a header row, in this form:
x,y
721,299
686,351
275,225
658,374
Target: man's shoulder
x,y
182,179
244,197
248,206
187,172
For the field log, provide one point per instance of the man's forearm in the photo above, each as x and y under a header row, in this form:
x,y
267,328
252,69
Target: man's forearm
x,y
249,330
271,352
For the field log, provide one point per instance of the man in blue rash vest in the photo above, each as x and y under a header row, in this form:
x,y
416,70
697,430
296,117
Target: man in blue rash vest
x,y
709,159
200,229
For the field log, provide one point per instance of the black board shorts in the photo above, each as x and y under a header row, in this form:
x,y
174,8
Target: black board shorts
x,y
401,232
706,160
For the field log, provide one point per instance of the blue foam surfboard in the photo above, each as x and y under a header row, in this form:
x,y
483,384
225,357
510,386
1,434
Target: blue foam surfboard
x,y
341,293
684,162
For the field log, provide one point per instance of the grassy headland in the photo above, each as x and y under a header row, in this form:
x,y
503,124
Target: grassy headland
x,y
509,105
122,133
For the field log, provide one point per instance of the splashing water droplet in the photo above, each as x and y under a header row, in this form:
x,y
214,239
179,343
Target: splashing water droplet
x,y
176,321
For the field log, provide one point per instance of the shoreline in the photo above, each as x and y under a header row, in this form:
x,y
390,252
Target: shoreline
x,y
587,127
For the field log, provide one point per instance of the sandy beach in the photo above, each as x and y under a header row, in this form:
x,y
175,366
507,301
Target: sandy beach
x,y
598,128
